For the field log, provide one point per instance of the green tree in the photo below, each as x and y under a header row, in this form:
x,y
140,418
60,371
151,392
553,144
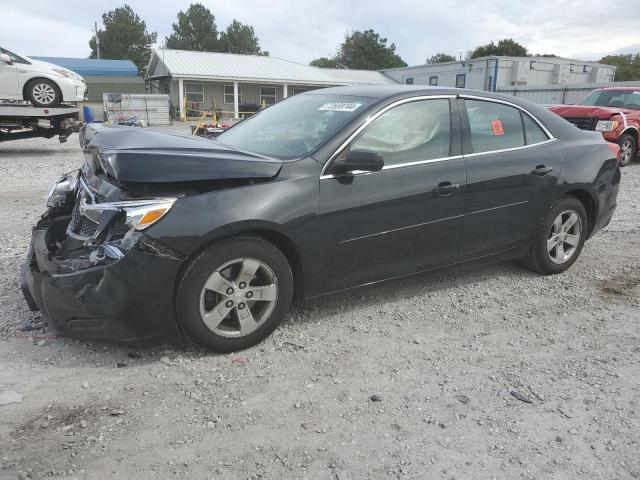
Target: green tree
x,y
324,62
505,47
628,66
441,58
125,37
195,30
368,51
240,38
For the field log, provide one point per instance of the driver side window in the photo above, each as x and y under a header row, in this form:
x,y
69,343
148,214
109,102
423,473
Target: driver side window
x,y
411,132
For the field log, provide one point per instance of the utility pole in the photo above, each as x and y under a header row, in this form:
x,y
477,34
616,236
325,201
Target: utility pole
x,y
95,26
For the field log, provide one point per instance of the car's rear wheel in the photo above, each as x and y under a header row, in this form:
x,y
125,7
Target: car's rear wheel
x,y
234,294
43,93
560,237
628,147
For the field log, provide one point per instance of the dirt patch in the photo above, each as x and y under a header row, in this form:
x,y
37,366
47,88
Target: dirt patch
x,y
622,287
493,372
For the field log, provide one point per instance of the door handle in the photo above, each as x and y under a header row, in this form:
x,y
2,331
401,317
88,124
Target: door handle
x,y
541,170
445,189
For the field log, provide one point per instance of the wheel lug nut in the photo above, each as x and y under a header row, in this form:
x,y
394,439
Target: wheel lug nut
x,y
240,306
242,285
229,304
229,291
249,294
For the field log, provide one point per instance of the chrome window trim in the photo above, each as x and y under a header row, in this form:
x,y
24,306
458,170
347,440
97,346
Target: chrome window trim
x,y
550,137
371,118
512,149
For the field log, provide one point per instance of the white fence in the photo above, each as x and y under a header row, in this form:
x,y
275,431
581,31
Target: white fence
x,y
148,109
557,93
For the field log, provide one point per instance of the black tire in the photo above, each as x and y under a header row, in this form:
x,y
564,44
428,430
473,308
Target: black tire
x,y
538,257
199,270
42,92
627,141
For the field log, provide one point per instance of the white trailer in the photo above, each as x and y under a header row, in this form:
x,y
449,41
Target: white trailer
x,y
23,120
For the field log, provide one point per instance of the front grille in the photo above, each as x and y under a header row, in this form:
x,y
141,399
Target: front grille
x,y
81,226
583,123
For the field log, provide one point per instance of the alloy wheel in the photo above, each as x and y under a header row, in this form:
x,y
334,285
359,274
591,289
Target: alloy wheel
x,y
564,236
43,93
238,297
626,151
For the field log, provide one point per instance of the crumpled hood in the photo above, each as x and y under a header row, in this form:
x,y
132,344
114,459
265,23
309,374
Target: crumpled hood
x,y
131,154
588,111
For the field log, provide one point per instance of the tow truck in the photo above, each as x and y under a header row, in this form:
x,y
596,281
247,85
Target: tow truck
x,y
22,120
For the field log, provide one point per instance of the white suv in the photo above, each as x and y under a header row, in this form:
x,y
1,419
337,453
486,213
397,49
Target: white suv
x,y
41,83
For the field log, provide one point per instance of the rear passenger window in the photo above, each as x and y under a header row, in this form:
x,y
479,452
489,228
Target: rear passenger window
x,y
410,132
532,131
494,126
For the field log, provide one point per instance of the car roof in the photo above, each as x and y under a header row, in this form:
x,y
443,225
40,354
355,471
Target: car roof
x,y
629,88
389,93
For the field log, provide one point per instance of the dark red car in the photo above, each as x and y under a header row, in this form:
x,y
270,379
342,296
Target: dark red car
x,y
614,111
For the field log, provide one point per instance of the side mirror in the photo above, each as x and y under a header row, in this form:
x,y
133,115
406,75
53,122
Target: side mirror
x,y
5,58
363,160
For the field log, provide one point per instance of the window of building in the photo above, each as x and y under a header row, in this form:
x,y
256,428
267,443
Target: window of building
x,y
267,95
194,92
433,81
460,80
410,132
408,80
297,90
532,132
228,94
494,126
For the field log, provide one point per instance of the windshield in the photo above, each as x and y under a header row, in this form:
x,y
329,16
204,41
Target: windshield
x,y
612,98
296,126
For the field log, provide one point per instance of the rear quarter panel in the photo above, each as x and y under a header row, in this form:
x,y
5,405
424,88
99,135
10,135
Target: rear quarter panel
x,y
591,166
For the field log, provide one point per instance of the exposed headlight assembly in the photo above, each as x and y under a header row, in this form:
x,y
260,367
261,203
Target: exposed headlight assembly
x,y
59,190
139,214
606,125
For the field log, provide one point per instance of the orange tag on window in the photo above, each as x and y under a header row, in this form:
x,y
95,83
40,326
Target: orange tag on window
x,y
496,126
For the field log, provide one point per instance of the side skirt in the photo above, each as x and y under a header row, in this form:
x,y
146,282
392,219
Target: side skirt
x,y
510,253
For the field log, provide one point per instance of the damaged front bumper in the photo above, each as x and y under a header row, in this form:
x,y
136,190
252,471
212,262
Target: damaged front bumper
x,y
108,283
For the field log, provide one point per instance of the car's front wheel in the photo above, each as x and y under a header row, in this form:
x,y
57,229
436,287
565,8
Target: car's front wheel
x,y
628,147
234,294
560,237
43,93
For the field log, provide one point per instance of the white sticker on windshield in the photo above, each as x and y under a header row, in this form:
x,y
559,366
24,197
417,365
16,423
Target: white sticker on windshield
x,y
340,107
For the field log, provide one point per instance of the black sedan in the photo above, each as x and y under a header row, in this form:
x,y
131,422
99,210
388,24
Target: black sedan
x,y
332,189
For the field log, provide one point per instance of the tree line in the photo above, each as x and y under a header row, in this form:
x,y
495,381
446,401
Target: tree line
x,y
124,36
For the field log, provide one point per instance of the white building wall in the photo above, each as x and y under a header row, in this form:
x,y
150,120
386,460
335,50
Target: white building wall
x,y
511,71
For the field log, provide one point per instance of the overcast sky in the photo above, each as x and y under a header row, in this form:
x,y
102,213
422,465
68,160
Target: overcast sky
x,y
303,30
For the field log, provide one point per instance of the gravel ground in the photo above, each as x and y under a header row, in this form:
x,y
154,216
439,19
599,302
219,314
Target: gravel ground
x,y
487,373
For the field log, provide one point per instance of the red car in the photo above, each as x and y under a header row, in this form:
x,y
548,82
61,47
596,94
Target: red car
x,y
613,111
